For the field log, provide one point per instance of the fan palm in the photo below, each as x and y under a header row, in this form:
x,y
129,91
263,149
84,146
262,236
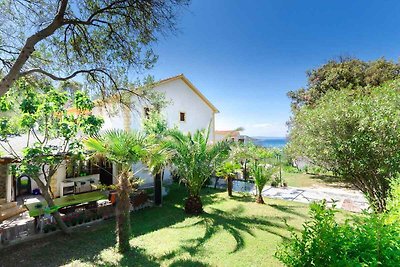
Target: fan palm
x,y
124,149
195,161
157,156
261,173
228,170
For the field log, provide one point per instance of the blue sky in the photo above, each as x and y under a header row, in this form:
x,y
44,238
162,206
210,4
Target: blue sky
x,y
246,55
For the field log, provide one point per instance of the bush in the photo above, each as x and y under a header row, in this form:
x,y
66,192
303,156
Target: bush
x,y
291,169
367,240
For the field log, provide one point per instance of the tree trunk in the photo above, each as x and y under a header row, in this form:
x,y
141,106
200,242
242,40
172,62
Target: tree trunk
x,y
29,47
157,189
123,224
216,182
260,199
193,205
47,196
245,175
230,186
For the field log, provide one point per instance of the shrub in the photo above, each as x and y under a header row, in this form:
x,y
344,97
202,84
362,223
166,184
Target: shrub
x,y
367,240
291,169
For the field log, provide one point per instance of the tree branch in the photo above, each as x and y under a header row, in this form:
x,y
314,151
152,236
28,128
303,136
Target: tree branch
x,y
57,78
29,48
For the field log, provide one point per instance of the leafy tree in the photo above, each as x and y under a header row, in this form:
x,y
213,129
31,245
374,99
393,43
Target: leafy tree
x,y
356,135
100,40
245,154
158,156
195,160
124,149
367,240
52,134
228,170
261,173
345,73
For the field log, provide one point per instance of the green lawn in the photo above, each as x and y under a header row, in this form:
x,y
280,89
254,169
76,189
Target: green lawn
x,y
309,180
231,232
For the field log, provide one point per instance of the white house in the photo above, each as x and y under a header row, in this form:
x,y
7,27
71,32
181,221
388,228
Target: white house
x,y
188,110
233,135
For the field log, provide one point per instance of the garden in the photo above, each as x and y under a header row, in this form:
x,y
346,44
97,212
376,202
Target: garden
x,y
343,133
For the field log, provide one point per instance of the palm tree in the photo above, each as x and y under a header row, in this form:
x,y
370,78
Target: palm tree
x,y
261,173
157,156
195,161
228,170
124,149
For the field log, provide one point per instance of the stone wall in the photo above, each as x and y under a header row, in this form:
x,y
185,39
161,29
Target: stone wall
x,y
3,180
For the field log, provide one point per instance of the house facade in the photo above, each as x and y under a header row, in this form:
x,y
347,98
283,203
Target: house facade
x,y
232,135
188,110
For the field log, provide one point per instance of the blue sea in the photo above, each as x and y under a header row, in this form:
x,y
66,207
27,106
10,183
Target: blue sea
x,y
275,142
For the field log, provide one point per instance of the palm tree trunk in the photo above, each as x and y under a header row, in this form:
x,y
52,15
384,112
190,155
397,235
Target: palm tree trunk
x,y
123,212
230,186
260,199
157,189
193,205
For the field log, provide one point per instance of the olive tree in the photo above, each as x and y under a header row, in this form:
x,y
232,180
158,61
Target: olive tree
x,y
101,41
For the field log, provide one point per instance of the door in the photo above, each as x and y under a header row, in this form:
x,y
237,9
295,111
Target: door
x,y
24,185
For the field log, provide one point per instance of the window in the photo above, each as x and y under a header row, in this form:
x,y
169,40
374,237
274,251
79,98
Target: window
x,y
182,116
146,112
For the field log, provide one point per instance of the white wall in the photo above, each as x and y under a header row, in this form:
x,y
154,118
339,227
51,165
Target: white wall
x,y
182,99
198,114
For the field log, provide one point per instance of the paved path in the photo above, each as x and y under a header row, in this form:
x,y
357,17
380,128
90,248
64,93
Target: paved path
x,y
347,199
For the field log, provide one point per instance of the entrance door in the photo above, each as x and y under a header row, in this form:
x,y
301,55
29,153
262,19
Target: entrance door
x,y
24,185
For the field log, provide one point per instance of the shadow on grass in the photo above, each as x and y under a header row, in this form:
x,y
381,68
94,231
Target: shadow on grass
x,y
84,246
288,209
95,244
231,221
243,197
188,263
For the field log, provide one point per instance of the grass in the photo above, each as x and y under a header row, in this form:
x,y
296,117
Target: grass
x,y
310,180
232,232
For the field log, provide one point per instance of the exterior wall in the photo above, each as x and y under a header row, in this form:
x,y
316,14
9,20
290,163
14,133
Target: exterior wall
x,y
198,114
182,99
56,180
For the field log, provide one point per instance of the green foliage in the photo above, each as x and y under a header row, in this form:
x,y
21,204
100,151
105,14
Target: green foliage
x,y
155,124
119,146
393,202
262,173
195,160
124,148
227,169
353,134
39,110
99,40
345,73
364,241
